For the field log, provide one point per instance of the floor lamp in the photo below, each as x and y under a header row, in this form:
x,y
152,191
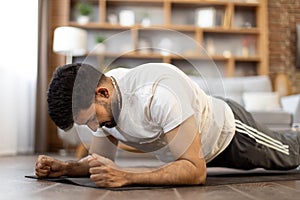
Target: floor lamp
x,y
70,41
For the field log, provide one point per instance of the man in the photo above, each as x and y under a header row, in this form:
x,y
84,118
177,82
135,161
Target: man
x,y
156,108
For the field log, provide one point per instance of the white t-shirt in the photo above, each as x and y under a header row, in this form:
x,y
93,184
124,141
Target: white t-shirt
x,y
156,98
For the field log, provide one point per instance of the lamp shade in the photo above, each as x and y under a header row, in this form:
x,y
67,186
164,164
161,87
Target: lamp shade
x,y
70,41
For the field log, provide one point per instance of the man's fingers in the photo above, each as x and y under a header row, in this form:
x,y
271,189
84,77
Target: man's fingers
x,y
47,161
94,155
42,165
44,161
41,175
101,159
99,177
98,170
95,163
96,160
101,183
42,172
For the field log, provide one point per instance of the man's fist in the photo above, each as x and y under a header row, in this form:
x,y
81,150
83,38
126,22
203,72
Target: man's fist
x,y
49,167
105,173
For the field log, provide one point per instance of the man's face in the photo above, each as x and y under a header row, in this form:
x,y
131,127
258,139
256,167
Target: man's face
x,y
97,115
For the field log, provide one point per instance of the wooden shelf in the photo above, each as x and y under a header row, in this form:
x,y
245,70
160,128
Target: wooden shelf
x,y
230,28
134,1
246,4
177,57
214,3
197,2
247,59
96,25
133,55
183,28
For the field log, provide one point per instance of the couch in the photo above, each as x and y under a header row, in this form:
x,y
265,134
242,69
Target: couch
x,y
255,93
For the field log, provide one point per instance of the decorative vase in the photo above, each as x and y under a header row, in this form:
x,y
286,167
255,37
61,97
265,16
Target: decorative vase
x,y
100,48
165,46
127,18
83,19
146,22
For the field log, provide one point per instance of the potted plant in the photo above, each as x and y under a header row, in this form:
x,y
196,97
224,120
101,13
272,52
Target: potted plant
x,y
146,20
100,46
84,10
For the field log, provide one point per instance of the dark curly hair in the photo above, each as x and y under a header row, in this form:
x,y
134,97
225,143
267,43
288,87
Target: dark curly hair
x,y
71,89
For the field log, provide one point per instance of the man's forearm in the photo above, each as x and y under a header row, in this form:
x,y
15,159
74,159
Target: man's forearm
x,y
77,168
181,172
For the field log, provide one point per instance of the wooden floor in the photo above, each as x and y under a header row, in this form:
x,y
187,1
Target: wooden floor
x,y
13,185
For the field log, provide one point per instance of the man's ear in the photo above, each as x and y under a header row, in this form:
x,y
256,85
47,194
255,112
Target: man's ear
x,y
102,92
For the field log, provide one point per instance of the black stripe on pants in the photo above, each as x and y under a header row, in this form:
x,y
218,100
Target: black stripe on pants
x,y
256,146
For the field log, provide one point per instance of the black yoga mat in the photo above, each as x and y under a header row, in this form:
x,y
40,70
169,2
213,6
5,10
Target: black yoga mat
x,y
86,182
214,178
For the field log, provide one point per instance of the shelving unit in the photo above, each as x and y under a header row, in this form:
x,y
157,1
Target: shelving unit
x,y
237,43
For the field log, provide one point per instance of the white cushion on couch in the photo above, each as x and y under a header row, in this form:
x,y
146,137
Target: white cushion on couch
x,y
261,101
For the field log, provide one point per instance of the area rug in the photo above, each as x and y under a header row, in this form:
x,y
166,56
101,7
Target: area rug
x,y
214,177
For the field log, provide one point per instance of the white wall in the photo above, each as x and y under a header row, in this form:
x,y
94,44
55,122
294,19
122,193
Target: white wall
x,y
18,70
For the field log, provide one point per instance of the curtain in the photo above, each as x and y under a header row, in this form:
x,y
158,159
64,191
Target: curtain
x,y
18,74
41,102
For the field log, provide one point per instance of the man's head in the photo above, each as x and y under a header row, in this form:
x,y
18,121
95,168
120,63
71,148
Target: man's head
x,y
71,90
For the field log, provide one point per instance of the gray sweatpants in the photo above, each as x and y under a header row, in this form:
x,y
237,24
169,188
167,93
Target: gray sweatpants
x,y
255,146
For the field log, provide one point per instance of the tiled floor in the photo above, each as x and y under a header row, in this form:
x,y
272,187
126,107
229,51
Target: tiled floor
x,y
13,185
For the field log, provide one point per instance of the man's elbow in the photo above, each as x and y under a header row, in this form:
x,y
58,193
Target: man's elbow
x,y
198,176
194,173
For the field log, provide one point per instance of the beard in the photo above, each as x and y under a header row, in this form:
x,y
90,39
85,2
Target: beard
x,y
109,124
113,114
